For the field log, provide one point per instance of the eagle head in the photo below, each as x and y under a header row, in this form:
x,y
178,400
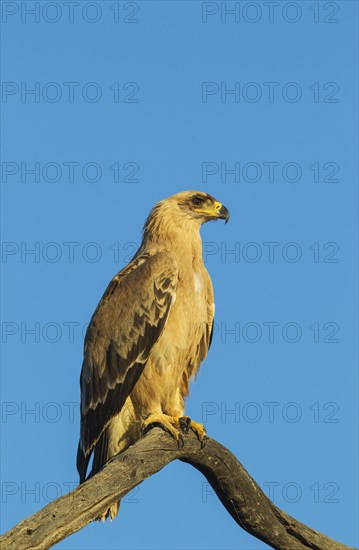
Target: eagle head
x,y
200,206
185,211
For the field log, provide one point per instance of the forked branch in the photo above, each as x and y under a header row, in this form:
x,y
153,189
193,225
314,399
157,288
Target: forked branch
x,y
238,492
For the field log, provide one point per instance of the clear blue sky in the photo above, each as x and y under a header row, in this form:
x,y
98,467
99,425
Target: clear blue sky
x,y
110,106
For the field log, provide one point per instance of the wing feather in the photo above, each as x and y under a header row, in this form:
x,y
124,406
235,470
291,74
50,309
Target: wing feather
x,y
208,335
126,324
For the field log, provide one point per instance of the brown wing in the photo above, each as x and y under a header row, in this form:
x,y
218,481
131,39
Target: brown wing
x,y
126,324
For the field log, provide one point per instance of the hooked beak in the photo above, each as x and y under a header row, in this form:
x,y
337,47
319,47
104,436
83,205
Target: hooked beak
x,y
223,214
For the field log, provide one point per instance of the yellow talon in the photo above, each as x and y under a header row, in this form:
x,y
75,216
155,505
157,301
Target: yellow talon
x,y
168,423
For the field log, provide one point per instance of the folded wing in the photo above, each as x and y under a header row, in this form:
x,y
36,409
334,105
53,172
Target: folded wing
x,y
125,326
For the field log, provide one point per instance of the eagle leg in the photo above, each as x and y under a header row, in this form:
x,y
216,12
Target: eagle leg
x,y
187,424
168,423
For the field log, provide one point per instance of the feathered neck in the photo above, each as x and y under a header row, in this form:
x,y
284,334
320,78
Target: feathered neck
x,y
166,229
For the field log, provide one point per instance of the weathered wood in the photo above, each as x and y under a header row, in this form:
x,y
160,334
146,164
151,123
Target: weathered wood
x,y
238,492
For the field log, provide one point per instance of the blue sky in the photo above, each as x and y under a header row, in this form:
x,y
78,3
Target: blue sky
x,y
108,107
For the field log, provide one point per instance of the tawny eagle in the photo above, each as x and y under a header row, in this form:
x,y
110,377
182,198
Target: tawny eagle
x,y
149,334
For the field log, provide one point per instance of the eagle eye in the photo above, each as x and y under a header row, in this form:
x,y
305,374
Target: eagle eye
x,y
197,201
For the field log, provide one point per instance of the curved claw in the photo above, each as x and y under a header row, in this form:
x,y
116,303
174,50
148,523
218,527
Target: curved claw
x,y
180,441
147,427
185,423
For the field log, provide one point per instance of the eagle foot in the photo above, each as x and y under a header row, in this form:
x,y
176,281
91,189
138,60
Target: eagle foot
x,y
186,424
169,424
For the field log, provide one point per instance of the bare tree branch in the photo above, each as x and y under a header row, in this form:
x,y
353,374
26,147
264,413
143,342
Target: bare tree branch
x,y
238,492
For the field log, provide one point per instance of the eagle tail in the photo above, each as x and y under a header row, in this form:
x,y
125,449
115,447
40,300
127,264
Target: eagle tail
x,y
123,430
102,454
82,463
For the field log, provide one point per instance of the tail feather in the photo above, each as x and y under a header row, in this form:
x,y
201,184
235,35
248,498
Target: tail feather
x,y
121,432
82,463
102,454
